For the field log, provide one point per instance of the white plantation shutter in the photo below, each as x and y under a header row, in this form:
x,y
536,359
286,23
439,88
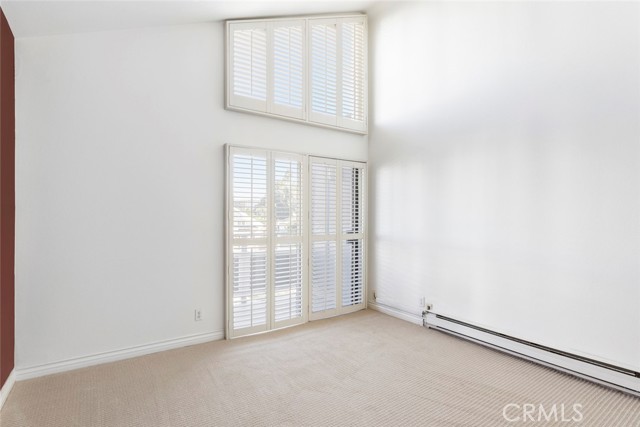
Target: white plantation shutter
x,y
248,68
353,90
338,80
337,276
249,273
267,274
324,237
288,68
323,278
290,284
250,287
352,234
323,50
312,70
295,239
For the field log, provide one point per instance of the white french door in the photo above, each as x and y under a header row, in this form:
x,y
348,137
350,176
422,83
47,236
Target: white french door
x,y
337,237
295,239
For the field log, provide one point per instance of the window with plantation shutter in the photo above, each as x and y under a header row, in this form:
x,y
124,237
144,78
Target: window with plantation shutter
x,y
288,69
324,71
312,70
266,271
295,239
338,72
248,57
249,240
353,91
288,239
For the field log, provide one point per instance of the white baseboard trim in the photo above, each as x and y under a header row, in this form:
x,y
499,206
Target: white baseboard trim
x,y
6,388
599,374
113,356
400,314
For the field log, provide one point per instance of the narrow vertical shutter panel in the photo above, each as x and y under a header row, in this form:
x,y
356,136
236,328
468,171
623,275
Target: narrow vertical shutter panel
x,y
288,69
249,286
249,219
324,71
352,243
249,66
351,200
288,219
323,199
353,70
288,282
324,237
249,196
288,197
352,272
323,275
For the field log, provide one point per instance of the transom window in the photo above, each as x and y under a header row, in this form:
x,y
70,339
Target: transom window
x,y
312,70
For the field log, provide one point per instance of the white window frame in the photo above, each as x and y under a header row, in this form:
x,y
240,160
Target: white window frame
x,y
282,112
307,240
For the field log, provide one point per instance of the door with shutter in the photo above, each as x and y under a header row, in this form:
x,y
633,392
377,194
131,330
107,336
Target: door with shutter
x,y
323,238
337,270
352,213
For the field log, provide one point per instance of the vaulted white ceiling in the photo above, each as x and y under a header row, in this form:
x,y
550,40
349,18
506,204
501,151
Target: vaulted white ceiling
x,y
29,18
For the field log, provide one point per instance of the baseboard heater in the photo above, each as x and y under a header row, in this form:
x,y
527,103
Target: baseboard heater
x,y
603,373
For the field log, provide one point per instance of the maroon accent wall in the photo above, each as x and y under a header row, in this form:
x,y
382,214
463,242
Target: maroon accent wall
x,y
7,199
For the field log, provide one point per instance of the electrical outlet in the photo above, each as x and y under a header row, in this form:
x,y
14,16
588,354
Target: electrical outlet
x,y
423,302
197,315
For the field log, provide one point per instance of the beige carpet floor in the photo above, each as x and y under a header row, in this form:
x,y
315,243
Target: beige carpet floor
x,y
364,369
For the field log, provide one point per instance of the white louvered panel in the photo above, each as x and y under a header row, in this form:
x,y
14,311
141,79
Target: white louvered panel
x,y
288,69
249,196
324,71
288,282
249,281
352,272
288,197
323,199
249,66
351,200
353,70
323,276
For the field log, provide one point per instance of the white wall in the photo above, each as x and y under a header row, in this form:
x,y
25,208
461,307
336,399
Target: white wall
x,y
120,184
505,168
